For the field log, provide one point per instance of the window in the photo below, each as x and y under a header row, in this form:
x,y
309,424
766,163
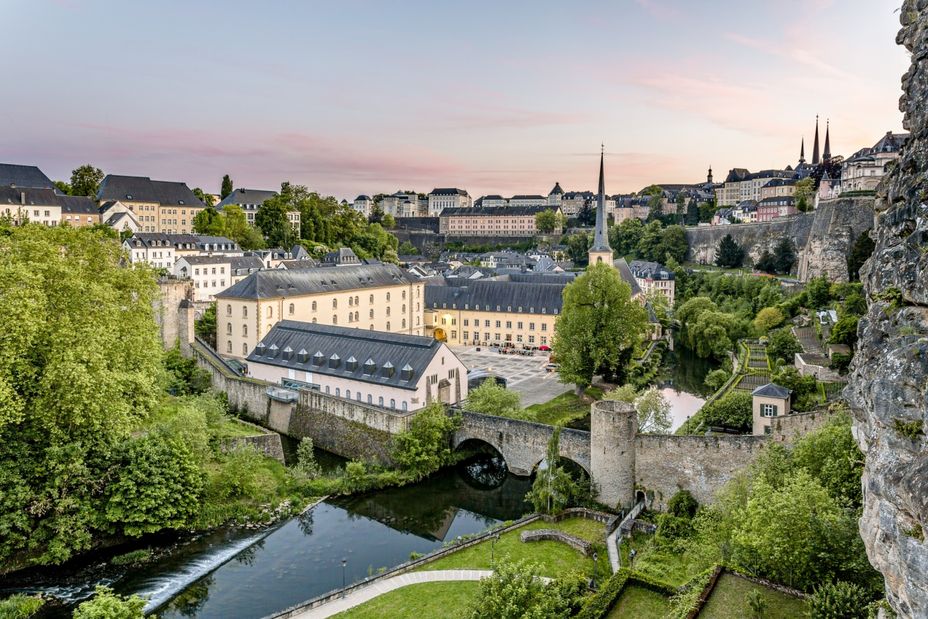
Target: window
x,y
244,349
229,347
338,392
496,336
768,410
544,326
370,399
371,301
509,324
371,314
244,311
392,403
519,325
454,336
466,335
334,303
292,308
388,325
497,324
244,330
486,323
334,319
314,306
229,329
228,310
348,394
405,406
350,301
358,396
380,401
404,326
531,339
466,322
388,297
270,312
327,389
531,326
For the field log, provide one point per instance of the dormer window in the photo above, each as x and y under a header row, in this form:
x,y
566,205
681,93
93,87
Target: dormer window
x,y
272,351
370,367
302,356
406,373
288,353
260,349
388,369
334,360
351,364
318,358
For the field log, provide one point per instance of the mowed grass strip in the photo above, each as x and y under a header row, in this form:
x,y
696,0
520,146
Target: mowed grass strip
x,y
554,558
639,602
428,600
729,600
564,408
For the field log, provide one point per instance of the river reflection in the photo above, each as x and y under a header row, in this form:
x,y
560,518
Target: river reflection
x,y
304,557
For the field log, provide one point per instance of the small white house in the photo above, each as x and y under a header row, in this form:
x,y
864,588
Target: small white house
x,y
769,402
389,370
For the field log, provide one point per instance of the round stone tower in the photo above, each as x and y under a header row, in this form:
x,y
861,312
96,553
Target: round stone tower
x,y
613,426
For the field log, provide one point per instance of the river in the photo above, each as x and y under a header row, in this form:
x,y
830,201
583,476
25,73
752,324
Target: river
x,y
234,573
682,384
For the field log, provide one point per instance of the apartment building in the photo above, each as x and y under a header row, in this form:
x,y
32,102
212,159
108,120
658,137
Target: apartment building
x,y
388,370
34,205
490,221
654,278
363,205
441,198
159,206
377,297
863,170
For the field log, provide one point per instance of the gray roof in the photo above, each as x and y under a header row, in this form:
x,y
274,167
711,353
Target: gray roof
x,y
772,390
286,283
524,297
556,190
143,189
626,274
645,269
80,205
249,263
243,195
33,196
149,239
447,191
345,352
214,259
494,211
529,197
24,176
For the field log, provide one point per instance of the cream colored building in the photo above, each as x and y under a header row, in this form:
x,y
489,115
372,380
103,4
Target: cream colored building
x,y
210,274
442,198
491,221
865,168
769,402
159,206
654,278
778,188
387,370
38,206
376,297
519,311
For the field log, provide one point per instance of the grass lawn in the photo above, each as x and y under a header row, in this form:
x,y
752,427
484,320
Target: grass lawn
x,y
564,408
662,564
554,558
233,428
640,602
729,600
430,600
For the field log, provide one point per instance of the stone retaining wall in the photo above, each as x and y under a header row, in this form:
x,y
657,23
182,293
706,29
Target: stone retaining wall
x,y
537,535
268,444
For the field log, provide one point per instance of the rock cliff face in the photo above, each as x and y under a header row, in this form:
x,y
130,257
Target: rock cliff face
x,y
889,384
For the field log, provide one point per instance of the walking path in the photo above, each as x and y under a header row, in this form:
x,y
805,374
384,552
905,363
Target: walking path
x,y
364,594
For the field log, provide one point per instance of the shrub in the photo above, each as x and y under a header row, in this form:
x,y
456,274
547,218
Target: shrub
x,y
716,379
683,504
515,590
839,600
306,464
20,606
733,410
783,345
107,605
131,558
424,448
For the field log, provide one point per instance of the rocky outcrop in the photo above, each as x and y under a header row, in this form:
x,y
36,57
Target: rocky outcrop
x,y
823,238
889,382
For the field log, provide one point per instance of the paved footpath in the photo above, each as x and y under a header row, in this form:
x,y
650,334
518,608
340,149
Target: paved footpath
x,y
364,594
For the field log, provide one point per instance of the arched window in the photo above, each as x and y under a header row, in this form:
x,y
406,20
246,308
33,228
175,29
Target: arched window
x,y
229,347
350,301
372,299
371,314
405,405
270,311
229,329
348,394
334,303
404,323
404,294
244,349
370,399
327,389
244,311
359,396
380,401
357,316
388,310
357,300
244,330
292,307
338,392
314,306
392,403
228,310
388,325
334,319
314,320
388,297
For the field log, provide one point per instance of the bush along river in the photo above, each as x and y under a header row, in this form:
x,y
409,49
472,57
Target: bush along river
x,y
248,573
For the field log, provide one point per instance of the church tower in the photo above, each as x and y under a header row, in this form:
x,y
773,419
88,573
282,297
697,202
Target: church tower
x,y
826,154
815,158
709,176
802,151
600,251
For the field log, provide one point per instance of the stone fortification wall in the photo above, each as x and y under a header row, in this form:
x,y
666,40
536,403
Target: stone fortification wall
x,y
174,317
754,238
267,443
888,386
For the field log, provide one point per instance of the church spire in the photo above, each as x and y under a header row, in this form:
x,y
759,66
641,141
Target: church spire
x,y
600,251
815,158
802,151
826,154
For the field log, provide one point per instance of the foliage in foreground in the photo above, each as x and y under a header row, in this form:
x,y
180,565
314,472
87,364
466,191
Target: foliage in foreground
x,y
491,398
839,600
107,605
425,447
20,606
733,410
515,591
554,489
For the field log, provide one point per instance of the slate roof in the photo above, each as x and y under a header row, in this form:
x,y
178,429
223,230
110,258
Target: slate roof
x,y
736,175
149,239
78,205
143,189
557,189
529,298
243,195
292,265
772,390
276,283
362,197
627,276
528,197
777,201
376,357
215,259
34,196
494,211
249,263
24,176
645,269
447,191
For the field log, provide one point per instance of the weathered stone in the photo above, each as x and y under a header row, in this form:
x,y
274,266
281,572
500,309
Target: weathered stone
x,y
889,380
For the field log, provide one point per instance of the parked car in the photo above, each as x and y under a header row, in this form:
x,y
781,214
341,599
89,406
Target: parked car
x,y
552,367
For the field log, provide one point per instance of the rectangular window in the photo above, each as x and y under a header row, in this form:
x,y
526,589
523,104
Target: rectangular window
x,y
531,326
496,337
465,335
486,323
497,324
544,326
531,339
768,410
509,324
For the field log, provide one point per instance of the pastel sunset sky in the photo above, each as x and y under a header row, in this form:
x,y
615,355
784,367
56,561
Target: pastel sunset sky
x,y
504,96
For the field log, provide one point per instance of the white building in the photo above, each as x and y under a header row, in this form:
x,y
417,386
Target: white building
x,y
863,170
155,248
527,200
210,274
441,198
38,206
388,370
363,204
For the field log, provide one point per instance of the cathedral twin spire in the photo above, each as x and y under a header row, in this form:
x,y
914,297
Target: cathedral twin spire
x,y
826,154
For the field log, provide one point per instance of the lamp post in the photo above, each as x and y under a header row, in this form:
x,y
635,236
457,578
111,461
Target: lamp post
x,y
344,565
493,541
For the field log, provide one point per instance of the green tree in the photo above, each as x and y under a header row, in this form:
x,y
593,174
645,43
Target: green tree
x,y
546,221
425,447
271,218
653,412
784,256
516,591
766,262
861,250
389,222
491,398
578,246
63,187
205,198
716,379
599,327
692,213
783,345
226,187
673,244
209,221
554,489
107,605
730,254
832,457
624,238
655,195
767,319
839,600
845,330
818,292
306,463
733,410
85,181
805,188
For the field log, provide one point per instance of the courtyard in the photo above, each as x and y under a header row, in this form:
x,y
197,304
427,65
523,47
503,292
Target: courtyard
x,y
524,374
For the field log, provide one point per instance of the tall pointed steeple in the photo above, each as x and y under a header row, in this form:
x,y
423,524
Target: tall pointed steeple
x,y
600,251
815,157
709,176
826,154
802,151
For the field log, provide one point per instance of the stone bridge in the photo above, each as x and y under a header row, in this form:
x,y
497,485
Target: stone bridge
x,y
522,444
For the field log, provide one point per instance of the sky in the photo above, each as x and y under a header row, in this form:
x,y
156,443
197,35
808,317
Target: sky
x,y
500,96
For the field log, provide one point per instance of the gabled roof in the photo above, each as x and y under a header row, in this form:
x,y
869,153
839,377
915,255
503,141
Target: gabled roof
x,y
288,283
143,189
529,197
362,197
625,272
243,195
374,357
33,196
250,263
78,205
646,269
556,190
736,175
773,390
24,176
447,191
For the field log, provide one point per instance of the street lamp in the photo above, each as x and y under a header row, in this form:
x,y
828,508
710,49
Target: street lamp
x,y
493,541
344,564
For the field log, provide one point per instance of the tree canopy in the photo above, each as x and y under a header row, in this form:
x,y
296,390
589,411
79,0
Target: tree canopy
x,y
85,181
599,327
226,187
730,254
